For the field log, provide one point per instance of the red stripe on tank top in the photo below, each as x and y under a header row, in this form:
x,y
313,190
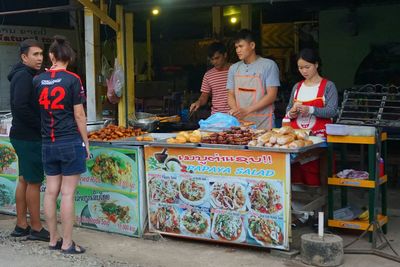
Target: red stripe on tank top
x,y
52,136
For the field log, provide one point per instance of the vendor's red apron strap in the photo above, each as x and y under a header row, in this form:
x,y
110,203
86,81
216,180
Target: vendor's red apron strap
x,y
311,122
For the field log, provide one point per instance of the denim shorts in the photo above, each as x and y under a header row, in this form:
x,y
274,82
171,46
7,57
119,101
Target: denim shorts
x,y
64,157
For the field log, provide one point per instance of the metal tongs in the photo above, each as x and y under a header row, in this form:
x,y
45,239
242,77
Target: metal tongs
x,y
190,114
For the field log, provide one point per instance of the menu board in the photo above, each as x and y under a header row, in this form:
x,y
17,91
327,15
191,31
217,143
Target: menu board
x,y
8,158
233,196
110,195
105,210
8,176
8,185
112,167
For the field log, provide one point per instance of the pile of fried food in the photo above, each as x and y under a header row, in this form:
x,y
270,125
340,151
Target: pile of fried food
x,y
285,137
113,132
145,138
186,137
233,136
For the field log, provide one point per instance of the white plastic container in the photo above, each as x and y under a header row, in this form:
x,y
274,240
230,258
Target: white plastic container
x,y
361,130
337,129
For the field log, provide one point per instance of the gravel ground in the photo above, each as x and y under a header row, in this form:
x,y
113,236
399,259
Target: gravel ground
x,y
105,249
19,251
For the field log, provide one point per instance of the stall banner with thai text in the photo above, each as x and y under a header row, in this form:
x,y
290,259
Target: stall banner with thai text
x,y
238,196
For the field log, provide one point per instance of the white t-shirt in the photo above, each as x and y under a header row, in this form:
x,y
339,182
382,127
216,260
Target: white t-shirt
x,y
307,93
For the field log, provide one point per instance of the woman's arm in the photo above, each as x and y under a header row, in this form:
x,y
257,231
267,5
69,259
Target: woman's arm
x,y
331,103
80,118
291,109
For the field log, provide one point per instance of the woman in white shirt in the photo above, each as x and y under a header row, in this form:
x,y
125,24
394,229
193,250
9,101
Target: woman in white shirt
x,y
313,104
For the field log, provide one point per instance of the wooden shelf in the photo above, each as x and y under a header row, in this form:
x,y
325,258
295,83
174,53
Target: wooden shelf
x,y
347,139
356,182
357,224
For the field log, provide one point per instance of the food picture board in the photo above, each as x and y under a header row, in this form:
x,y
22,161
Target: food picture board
x,y
8,185
8,176
115,168
109,211
116,172
232,196
8,158
111,194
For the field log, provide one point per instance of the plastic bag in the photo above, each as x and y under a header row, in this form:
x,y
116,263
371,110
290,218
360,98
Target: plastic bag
x,y
115,84
218,122
106,70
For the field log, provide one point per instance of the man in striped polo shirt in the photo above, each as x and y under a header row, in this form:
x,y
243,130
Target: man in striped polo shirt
x,y
214,81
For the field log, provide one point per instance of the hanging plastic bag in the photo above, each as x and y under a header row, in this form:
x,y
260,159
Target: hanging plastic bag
x,y
115,84
218,122
106,70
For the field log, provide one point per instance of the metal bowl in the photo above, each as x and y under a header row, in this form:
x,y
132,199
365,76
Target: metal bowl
x,y
147,125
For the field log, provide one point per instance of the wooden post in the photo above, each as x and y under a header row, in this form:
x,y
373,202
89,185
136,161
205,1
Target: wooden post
x,y
130,64
246,19
216,21
148,47
92,55
121,60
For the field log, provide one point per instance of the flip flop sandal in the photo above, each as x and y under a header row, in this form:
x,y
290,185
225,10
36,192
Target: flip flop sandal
x,y
57,246
73,249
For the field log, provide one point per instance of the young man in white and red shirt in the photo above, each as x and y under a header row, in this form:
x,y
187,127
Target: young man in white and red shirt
x,y
214,81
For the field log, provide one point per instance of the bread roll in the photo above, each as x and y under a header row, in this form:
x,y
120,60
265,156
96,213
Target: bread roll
x,y
180,139
253,143
284,139
286,130
171,141
301,135
273,138
308,142
297,144
264,138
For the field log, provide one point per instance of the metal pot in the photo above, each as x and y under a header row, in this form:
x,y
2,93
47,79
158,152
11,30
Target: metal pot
x,y
92,126
147,125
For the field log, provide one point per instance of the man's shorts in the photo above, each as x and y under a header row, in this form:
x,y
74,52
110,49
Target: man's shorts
x,y
29,160
64,157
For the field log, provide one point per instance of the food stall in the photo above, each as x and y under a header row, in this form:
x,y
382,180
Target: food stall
x,y
225,191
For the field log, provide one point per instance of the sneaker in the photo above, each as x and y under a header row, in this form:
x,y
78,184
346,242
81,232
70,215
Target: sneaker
x,y
20,232
42,235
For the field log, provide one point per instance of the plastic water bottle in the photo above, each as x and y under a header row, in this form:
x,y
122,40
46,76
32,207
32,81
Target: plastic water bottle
x,y
285,121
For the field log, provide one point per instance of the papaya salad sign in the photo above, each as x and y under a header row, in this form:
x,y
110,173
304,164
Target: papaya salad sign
x,y
237,196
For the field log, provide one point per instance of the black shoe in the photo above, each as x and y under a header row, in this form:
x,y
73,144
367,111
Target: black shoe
x,y
20,232
42,235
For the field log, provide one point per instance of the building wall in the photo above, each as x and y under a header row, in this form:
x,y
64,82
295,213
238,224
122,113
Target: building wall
x,y
342,53
10,37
